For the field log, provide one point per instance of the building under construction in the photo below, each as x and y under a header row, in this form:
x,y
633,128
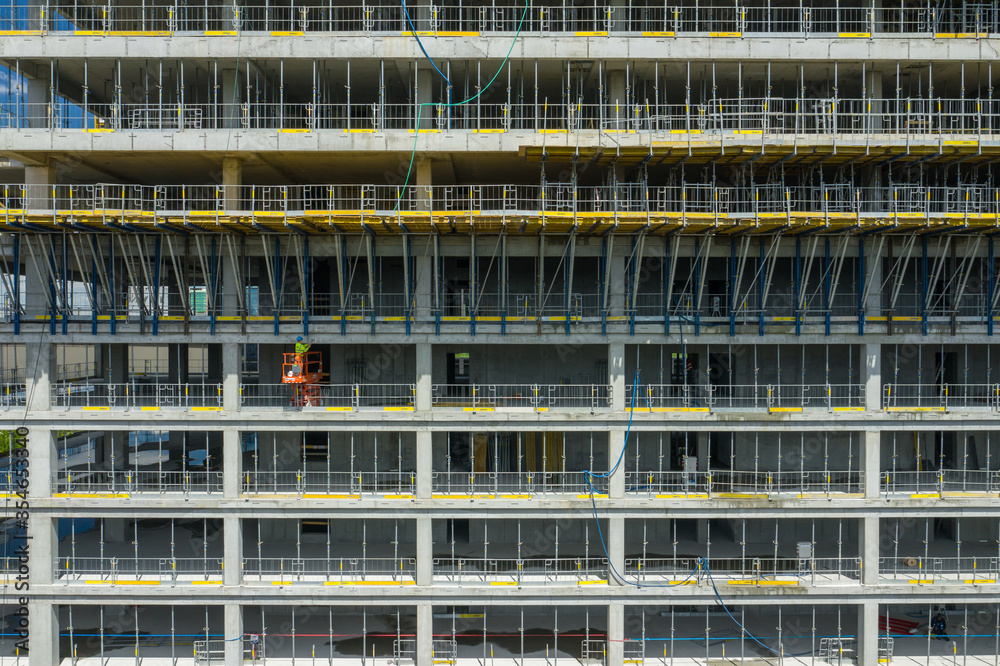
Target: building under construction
x,y
638,333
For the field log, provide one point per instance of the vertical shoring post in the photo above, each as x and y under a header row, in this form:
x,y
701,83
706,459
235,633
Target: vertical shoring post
x,y
826,286
93,290
114,288
156,288
570,260
697,285
17,284
306,281
861,286
437,285
503,283
277,285
667,277
65,283
473,295
798,285
990,287
732,287
923,285
342,280
407,280
213,286
760,291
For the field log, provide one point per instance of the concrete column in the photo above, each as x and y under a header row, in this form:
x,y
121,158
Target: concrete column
x,y
231,352
43,548
177,363
616,482
423,286
232,552
616,376
37,93
425,551
424,380
229,98
115,362
615,645
617,109
40,371
869,534
44,639
114,449
232,463
616,550
423,168
38,181
426,82
873,277
425,635
425,464
232,179
873,377
868,633
36,285
616,286
873,464
233,621
875,92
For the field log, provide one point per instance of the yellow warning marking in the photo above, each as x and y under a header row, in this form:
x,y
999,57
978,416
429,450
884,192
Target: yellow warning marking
x,y
425,131
959,35
657,34
848,409
725,34
206,582
206,409
762,582
220,33
457,33
784,409
228,318
418,34
149,409
92,495
955,143
398,496
742,495
596,496
23,33
489,131
294,131
552,131
123,582
502,582
596,33
591,582
360,131
397,409
96,409
926,496
854,34
338,409
287,33
921,582
478,409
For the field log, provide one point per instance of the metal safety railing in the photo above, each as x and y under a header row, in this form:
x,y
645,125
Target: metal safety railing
x,y
812,570
742,119
12,395
508,483
322,570
300,482
523,571
803,483
528,396
940,481
319,201
941,396
745,396
340,396
87,394
177,569
128,482
443,651
857,18
214,651
927,569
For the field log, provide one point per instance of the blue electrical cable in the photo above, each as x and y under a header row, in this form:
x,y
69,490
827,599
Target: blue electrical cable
x,y
421,44
421,105
635,390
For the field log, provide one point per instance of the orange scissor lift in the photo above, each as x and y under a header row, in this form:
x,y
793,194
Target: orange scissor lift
x,y
304,371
